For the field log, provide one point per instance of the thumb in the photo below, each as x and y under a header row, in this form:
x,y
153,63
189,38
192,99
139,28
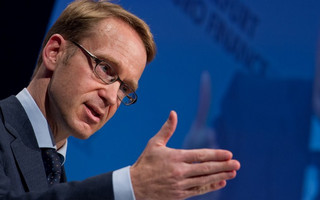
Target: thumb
x,y
167,130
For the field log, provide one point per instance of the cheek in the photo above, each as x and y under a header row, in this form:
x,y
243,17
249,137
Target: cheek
x,y
68,87
63,90
70,81
61,99
112,110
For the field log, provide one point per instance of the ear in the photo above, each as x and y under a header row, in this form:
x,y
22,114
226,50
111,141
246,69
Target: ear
x,y
53,51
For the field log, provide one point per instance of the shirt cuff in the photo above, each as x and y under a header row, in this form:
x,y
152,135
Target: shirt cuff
x,y
122,186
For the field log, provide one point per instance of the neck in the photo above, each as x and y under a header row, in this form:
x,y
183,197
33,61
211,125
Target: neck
x,y
38,89
60,144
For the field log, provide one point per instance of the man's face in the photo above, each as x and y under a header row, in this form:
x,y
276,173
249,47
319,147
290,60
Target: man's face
x,y
79,103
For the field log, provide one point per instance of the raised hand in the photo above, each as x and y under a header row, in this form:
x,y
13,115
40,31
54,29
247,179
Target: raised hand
x,y
165,173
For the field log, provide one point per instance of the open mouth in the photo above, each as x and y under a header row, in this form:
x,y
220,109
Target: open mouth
x,y
93,111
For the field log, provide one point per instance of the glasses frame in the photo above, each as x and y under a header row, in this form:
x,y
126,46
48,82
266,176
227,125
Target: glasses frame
x,y
129,98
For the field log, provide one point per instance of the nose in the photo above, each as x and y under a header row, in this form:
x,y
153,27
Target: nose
x,y
109,93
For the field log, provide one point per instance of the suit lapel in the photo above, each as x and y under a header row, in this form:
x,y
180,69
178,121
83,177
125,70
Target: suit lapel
x,y
24,147
30,163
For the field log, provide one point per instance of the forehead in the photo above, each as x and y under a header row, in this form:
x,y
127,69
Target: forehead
x,y
118,43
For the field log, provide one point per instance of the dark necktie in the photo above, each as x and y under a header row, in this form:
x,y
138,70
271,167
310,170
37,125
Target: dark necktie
x,y
52,164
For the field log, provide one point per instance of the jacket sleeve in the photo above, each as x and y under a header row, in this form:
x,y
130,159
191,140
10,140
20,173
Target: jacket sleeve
x,y
96,188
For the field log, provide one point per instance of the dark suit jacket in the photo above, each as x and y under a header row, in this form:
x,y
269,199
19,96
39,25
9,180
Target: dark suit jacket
x,y
22,174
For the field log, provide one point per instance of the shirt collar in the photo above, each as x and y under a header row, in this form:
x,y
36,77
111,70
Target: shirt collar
x,y
39,123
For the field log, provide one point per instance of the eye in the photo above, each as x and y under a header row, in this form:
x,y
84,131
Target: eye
x,y
125,89
105,68
106,72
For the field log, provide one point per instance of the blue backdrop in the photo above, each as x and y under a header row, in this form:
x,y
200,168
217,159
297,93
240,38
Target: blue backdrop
x,y
240,74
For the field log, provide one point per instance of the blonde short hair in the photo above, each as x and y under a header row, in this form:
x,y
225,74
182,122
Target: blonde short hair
x,y
78,19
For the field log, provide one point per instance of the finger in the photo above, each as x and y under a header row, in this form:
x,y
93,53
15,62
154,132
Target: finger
x,y
206,188
195,191
213,179
208,168
167,130
204,155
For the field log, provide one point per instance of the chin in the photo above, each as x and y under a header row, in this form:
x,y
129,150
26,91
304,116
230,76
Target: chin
x,y
82,136
81,129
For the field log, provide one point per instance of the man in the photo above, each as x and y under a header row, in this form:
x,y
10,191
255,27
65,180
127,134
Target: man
x,y
90,62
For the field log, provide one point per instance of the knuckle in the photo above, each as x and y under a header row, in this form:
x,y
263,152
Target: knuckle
x,y
178,186
202,189
176,155
205,180
150,142
200,156
206,168
179,155
177,192
194,157
177,173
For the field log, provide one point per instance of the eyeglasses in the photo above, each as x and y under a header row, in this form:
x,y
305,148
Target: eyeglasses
x,y
108,75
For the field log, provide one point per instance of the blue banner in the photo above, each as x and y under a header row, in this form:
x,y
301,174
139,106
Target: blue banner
x,y
242,75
